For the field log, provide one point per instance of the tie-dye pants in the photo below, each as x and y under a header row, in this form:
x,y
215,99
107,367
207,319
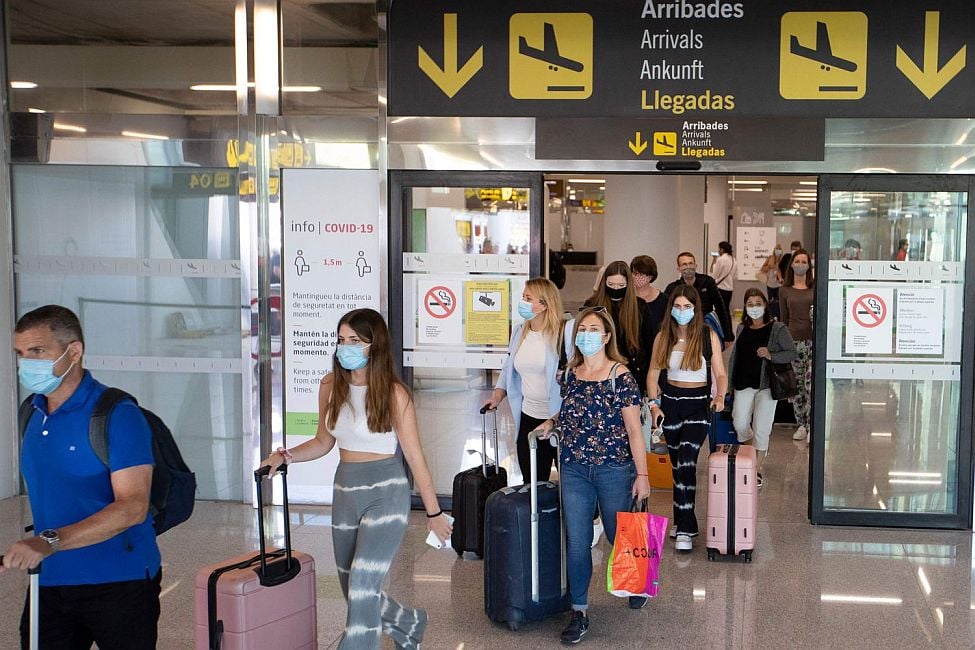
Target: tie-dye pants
x,y
685,428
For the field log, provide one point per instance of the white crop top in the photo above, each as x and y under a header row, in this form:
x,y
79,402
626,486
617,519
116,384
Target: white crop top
x,y
351,429
675,373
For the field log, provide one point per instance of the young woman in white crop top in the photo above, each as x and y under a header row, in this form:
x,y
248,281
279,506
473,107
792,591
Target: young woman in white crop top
x,y
366,410
682,399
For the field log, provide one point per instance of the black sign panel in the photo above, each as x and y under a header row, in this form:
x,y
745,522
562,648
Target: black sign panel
x,y
649,58
776,138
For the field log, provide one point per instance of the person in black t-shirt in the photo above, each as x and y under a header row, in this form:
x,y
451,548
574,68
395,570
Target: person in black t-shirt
x,y
707,291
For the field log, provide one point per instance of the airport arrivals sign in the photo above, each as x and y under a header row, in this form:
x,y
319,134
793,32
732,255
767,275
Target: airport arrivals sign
x,y
655,58
743,138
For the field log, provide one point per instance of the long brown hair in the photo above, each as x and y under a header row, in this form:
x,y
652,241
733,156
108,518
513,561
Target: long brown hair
x,y
790,275
370,327
696,331
612,350
626,312
552,323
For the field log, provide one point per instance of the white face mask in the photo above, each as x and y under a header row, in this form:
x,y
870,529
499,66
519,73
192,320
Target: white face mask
x,y
755,313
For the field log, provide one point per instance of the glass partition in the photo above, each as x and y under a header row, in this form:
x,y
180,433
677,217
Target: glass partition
x,y
893,418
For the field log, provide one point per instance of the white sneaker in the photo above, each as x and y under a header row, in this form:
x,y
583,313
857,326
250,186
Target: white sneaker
x,y
800,434
684,543
597,531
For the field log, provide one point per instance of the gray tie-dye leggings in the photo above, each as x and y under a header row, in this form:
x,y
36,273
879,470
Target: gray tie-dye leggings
x,y
369,518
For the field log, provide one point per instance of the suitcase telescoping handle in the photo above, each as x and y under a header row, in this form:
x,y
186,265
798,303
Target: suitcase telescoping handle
x,y
533,490
34,606
289,569
497,462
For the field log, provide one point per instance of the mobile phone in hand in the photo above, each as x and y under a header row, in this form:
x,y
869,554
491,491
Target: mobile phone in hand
x,y
435,542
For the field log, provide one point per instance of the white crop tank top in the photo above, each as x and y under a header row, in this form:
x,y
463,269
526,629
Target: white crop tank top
x,y
351,429
675,373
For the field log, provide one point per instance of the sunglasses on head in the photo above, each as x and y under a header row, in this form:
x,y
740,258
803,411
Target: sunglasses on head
x,y
596,310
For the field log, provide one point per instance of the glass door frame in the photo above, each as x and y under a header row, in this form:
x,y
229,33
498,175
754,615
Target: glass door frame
x,y
818,514
401,184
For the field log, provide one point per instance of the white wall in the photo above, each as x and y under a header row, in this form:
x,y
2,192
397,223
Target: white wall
x,y
658,216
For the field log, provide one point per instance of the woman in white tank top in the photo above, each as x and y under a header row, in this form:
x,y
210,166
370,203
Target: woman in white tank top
x,y
366,410
689,352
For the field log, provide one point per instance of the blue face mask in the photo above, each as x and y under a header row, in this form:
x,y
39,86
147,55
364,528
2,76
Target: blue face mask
x,y
352,356
37,375
682,316
525,310
589,343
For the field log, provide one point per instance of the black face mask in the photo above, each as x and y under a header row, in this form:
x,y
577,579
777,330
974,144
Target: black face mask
x,y
616,294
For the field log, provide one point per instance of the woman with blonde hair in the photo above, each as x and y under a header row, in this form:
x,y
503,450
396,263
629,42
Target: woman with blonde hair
x,y
634,328
689,352
367,411
603,459
530,375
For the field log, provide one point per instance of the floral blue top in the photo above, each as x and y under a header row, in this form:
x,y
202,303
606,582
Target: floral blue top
x,y
591,419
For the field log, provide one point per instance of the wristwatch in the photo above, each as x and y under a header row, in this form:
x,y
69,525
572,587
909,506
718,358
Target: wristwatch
x,y
51,537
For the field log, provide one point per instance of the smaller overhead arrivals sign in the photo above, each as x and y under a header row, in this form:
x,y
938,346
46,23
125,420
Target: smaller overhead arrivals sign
x,y
693,138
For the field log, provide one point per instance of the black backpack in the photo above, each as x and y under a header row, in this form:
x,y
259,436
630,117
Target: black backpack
x,y
173,490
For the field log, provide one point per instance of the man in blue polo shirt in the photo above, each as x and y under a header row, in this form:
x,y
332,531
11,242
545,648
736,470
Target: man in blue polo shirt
x,y
100,570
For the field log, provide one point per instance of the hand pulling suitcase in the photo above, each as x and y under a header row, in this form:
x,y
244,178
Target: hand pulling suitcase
x,y
259,601
471,491
722,430
524,559
732,501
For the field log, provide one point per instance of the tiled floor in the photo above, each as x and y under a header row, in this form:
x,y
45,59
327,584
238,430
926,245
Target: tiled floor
x,y
811,587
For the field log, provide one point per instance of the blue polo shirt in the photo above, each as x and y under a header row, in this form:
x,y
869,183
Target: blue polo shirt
x,y
66,482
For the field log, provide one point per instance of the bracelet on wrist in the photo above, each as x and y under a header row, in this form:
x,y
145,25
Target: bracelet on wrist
x,y
642,475
434,516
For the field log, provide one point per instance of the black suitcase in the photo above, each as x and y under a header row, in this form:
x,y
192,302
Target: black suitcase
x,y
471,491
524,567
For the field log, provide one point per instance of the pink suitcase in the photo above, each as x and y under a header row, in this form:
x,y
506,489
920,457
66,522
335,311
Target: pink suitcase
x,y
259,600
732,501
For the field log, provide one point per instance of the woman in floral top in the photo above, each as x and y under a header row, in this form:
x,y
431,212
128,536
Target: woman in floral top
x,y
603,456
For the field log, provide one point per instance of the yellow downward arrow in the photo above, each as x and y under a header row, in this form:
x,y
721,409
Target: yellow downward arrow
x,y
639,146
930,80
449,79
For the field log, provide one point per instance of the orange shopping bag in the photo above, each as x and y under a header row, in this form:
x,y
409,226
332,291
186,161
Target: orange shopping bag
x,y
634,567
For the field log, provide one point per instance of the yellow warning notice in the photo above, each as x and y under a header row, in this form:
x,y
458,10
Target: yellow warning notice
x,y
665,143
823,55
487,312
550,56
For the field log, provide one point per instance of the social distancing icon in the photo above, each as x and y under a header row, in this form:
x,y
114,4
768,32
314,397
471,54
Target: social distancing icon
x,y
823,55
550,56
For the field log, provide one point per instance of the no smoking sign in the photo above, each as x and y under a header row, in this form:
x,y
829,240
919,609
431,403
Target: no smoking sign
x,y
440,302
869,310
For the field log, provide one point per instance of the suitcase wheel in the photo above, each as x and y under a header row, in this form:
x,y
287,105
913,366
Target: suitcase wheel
x,y
712,553
748,556
460,553
513,625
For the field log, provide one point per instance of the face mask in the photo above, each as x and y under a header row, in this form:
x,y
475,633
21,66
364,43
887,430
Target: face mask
x,y
851,252
755,313
37,375
640,281
778,251
352,356
616,294
800,269
589,343
682,316
525,310
688,273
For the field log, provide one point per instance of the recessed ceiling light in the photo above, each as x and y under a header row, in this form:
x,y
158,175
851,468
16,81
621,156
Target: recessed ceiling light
x,y
145,136
60,126
229,88
36,110
598,181
736,182
23,85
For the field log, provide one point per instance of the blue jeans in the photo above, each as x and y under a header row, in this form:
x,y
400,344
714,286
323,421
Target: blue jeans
x,y
582,487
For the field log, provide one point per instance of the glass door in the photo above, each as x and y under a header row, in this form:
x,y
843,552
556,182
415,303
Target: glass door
x,y
461,253
893,384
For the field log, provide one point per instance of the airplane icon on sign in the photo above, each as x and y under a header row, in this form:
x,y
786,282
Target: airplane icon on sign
x,y
549,52
822,52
